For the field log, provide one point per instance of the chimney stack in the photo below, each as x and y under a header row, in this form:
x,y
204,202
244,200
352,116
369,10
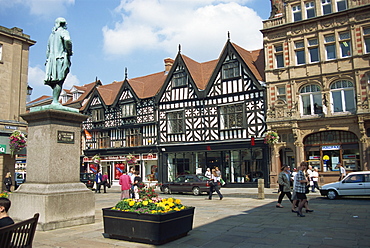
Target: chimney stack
x,y
168,64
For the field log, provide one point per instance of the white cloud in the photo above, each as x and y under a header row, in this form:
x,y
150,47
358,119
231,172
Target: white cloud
x,y
42,8
200,26
36,78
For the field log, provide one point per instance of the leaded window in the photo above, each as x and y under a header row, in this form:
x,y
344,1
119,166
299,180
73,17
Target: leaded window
x,y
128,110
97,114
230,70
342,96
311,100
313,49
231,116
175,122
133,137
300,54
330,46
345,44
180,79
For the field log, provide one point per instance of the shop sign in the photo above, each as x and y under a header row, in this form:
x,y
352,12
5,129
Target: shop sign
x,y
10,127
314,157
66,137
326,148
326,157
2,149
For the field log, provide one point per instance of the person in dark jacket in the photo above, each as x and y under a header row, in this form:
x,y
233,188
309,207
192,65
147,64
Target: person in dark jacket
x,y
8,181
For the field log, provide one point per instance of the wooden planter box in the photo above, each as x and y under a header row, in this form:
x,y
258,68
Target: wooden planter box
x,y
147,228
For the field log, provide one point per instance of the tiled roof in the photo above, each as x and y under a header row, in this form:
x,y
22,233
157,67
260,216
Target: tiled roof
x,y
109,92
254,60
200,72
148,86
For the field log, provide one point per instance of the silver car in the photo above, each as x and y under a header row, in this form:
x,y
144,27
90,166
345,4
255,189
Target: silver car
x,y
354,184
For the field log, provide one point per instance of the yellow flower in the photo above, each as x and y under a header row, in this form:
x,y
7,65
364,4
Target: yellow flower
x,y
145,203
131,203
170,200
178,201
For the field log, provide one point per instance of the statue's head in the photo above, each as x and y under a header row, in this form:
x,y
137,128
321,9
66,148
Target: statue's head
x,y
60,22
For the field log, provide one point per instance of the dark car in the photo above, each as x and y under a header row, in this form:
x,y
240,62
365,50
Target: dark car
x,y
88,179
196,184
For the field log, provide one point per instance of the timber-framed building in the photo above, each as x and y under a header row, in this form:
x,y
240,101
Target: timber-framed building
x,y
190,117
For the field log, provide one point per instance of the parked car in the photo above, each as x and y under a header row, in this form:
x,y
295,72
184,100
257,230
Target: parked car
x,y
354,184
88,179
197,184
19,178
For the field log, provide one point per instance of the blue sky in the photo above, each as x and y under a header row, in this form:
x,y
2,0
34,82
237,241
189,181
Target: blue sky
x,y
110,35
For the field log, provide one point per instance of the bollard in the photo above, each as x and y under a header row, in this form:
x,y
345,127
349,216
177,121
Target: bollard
x,y
261,189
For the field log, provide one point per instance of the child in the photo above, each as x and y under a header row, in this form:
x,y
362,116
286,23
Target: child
x,y
137,180
5,220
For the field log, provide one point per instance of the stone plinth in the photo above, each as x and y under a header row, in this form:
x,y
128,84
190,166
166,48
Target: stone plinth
x,y
53,186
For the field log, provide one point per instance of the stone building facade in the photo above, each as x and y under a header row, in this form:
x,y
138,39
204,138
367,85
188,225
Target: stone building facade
x,y
14,50
317,55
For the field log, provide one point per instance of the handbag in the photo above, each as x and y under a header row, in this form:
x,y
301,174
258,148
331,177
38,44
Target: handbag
x,y
222,182
307,189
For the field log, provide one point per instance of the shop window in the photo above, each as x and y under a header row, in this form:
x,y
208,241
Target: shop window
x,y
311,100
175,122
128,110
313,50
97,114
345,44
180,79
230,70
279,57
330,47
366,31
326,7
300,54
297,13
342,97
231,116
133,137
281,93
341,5
310,9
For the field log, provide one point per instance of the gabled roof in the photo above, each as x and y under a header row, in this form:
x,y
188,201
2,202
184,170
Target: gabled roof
x,y
254,60
200,72
86,88
147,86
109,92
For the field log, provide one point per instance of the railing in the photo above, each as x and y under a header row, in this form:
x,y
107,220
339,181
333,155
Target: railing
x,y
273,22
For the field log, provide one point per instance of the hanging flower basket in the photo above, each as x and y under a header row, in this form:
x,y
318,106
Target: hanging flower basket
x,y
96,159
271,138
17,142
130,159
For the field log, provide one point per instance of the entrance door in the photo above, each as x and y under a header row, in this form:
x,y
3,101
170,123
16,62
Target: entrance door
x,y
214,160
330,160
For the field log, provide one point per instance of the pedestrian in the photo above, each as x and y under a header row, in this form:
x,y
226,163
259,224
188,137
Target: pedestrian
x,y
98,181
125,182
309,175
208,173
5,220
8,181
105,181
137,181
284,185
342,171
132,176
315,179
214,182
301,182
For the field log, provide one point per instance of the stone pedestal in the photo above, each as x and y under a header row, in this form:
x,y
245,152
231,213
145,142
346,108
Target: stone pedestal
x,y
53,186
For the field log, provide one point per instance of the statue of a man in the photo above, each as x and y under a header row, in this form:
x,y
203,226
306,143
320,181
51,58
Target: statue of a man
x,y
59,51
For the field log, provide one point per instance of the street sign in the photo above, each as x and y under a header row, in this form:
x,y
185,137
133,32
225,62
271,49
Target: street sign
x,y
2,149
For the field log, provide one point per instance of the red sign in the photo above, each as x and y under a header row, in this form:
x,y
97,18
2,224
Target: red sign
x,y
118,169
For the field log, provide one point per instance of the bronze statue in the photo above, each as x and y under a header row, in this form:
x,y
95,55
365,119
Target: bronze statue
x,y
59,51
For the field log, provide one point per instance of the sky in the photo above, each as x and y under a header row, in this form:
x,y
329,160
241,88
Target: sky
x,y
111,35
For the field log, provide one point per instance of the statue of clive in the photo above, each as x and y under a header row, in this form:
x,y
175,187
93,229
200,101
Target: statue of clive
x,y
58,53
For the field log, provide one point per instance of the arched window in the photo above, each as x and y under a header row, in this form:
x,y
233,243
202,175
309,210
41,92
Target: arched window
x,y
342,96
311,100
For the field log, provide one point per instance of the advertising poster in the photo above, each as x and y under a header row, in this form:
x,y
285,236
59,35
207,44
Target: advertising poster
x,y
118,168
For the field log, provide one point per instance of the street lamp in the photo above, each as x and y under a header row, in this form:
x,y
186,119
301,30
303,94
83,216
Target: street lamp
x,y
29,90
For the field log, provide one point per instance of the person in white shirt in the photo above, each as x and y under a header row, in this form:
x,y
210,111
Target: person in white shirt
x,y
342,171
208,173
315,179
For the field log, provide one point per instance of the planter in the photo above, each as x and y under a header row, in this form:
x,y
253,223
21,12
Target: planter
x,y
147,228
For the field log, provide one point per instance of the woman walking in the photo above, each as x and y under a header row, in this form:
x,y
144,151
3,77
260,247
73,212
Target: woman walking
x,y
215,179
284,185
8,181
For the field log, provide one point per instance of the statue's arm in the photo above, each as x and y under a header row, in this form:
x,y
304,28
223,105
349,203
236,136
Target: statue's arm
x,y
67,43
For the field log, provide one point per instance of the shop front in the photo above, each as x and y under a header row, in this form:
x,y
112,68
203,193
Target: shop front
x,y
325,150
241,165
145,163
